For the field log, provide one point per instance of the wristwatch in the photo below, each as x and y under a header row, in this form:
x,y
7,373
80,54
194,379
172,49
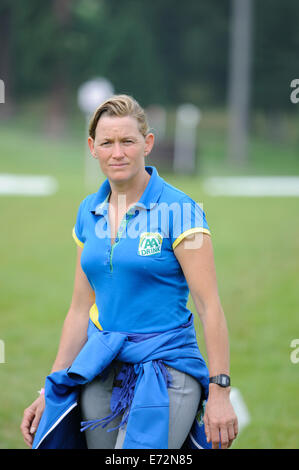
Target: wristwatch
x,y
223,380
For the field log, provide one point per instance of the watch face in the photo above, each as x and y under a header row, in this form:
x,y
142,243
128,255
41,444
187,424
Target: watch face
x,y
224,380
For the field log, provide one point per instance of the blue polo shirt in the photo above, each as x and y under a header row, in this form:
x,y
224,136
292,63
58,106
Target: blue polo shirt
x,y
138,283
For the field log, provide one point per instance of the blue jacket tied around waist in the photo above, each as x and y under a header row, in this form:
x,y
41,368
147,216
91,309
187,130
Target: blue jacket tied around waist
x,y
147,416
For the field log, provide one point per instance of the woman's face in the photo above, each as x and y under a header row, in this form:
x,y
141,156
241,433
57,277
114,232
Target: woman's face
x,y
120,147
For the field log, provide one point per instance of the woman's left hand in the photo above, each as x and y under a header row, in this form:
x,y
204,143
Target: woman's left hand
x,y
221,423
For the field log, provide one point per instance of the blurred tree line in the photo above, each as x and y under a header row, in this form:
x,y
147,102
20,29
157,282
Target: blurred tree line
x,y
163,51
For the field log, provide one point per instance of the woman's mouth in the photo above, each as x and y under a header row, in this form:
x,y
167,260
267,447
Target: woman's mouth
x,y
118,165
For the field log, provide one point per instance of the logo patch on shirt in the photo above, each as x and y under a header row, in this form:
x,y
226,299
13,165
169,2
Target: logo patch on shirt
x,y
150,244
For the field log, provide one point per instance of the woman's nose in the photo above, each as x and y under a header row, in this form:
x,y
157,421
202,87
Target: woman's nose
x,y
117,151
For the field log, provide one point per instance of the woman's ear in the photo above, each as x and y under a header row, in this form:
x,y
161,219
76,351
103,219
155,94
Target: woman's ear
x,y
90,142
149,143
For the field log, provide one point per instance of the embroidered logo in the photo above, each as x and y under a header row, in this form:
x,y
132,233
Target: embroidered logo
x,y
150,244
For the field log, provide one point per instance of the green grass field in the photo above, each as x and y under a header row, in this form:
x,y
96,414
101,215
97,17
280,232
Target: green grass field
x,y
256,247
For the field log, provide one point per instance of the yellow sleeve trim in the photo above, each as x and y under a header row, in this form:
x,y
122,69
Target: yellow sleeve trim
x,y
94,316
79,243
189,232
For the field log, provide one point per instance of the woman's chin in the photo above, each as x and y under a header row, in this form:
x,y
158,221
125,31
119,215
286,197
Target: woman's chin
x,y
119,174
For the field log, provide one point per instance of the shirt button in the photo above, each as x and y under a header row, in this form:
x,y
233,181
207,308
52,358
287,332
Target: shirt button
x,y
116,240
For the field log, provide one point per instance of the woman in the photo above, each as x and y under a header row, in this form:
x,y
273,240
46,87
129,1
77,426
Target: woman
x,y
142,245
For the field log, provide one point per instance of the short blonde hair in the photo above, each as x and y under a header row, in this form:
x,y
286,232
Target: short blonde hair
x,y
120,105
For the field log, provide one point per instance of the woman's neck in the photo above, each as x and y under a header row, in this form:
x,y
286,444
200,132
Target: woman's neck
x,y
129,192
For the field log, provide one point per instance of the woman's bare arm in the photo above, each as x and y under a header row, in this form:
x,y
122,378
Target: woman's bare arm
x,y
74,332
73,338
197,261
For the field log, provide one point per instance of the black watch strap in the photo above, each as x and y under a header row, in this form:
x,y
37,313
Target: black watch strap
x,y
223,380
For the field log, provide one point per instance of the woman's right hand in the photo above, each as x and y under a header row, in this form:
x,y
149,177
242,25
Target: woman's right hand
x,y
31,419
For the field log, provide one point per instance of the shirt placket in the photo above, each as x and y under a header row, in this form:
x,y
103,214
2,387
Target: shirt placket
x,y
122,228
